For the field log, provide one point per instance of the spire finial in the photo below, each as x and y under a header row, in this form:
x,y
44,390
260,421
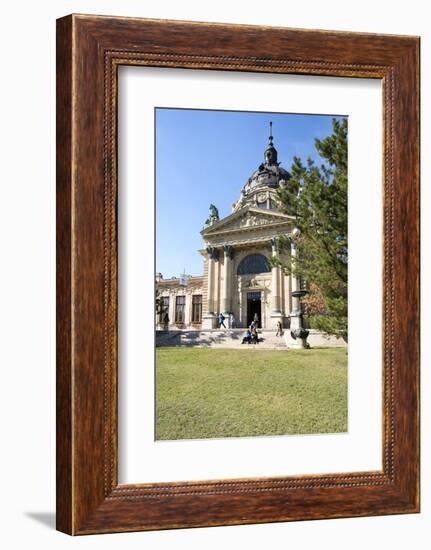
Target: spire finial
x,y
271,151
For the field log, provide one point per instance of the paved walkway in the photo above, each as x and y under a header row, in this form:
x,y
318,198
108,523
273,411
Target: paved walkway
x,y
228,338
232,338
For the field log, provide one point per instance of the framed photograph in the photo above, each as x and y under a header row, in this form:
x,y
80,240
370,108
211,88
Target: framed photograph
x,y
237,274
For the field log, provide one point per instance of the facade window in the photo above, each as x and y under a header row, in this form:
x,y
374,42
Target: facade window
x,y
197,308
164,309
180,309
254,263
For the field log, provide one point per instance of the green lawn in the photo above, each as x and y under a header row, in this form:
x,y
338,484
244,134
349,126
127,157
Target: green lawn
x,y
203,393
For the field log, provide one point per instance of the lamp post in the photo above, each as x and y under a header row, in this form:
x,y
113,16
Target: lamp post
x,y
298,334
297,331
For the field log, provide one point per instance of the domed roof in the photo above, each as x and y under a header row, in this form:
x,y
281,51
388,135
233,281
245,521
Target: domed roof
x,y
269,174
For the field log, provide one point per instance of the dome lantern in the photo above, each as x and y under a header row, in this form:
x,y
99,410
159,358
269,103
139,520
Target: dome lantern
x,y
265,180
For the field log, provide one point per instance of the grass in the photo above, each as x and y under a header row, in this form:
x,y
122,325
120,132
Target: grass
x,y
208,393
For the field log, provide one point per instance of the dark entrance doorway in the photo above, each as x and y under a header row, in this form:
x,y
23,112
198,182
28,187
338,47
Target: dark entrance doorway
x,y
254,305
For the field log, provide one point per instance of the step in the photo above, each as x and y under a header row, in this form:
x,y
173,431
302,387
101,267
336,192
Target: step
x,y
229,338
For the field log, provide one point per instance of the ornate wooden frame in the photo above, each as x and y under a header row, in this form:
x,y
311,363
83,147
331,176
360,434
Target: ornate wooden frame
x,y
89,51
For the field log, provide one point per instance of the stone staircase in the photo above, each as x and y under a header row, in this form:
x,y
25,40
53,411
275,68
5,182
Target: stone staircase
x,y
228,338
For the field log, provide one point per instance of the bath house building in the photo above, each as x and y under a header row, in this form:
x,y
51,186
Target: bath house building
x,y
237,276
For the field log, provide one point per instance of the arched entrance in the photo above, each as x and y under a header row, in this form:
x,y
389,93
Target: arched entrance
x,y
254,307
253,270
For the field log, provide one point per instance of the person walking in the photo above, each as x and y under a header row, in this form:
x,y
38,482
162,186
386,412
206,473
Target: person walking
x,y
279,329
231,320
221,319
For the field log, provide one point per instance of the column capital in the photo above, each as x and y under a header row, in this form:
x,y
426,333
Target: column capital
x,y
212,253
275,243
228,251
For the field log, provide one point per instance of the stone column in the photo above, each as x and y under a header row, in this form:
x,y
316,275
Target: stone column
x,y
188,310
282,291
227,278
276,314
209,319
275,285
171,314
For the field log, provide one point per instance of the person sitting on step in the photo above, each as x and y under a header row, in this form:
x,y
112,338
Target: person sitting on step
x,y
279,329
247,337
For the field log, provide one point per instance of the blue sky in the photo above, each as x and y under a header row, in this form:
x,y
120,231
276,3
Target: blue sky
x,y
205,157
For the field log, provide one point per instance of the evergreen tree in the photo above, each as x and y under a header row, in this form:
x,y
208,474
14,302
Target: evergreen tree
x,y
317,197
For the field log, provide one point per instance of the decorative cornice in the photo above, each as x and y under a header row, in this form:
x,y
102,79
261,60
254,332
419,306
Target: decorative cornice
x,y
235,239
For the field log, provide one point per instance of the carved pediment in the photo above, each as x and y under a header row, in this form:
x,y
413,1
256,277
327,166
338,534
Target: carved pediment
x,y
247,218
251,219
